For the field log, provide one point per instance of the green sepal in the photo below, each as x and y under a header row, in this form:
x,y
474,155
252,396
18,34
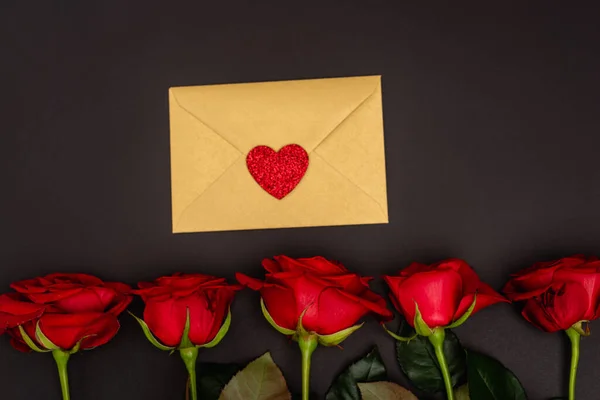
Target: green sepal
x,y
271,321
30,342
420,326
301,332
43,340
77,347
185,342
465,316
150,336
398,337
222,332
579,328
336,338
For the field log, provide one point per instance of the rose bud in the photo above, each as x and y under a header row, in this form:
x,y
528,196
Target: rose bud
x,y
316,295
440,295
193,302
186,312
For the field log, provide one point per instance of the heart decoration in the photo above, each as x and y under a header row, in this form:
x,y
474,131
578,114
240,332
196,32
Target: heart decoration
x,y
277,172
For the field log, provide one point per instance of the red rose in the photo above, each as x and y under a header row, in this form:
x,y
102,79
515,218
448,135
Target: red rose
x,y
14,312
558,294
169,298
78,308
331,298
443,291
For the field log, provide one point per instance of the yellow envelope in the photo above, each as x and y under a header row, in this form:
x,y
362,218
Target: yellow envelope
x,y
337,121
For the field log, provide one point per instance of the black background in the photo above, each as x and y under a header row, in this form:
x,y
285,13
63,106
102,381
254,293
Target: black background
x,y
492,144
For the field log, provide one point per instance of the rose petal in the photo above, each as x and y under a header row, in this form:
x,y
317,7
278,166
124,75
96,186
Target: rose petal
x,y
437,293
414,268
334,311
249,282
50,297
281,305
100,332
271,266
166,320
558,311
537,279
66,330
486,296
83,279
534,312
588,276
93,299
470,280
206,319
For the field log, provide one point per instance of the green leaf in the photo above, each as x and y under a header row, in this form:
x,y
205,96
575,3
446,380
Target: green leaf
x,y
43,340
462,393
260,380
271,321
384,391
465,316
222,332
336,338
32,345
370,368
213,377
150,336
419,363
489,379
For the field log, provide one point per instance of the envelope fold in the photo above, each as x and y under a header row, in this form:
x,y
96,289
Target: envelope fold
x,y
192,144
356,153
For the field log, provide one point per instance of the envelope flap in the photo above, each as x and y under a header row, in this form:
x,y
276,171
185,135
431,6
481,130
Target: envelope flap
x,y
356,149
276,113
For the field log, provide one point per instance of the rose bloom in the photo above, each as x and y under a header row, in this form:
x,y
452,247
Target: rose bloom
x,y
77,308
558,294
331,297
444,291
169,298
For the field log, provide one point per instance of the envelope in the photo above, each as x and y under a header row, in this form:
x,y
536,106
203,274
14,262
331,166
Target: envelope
x,y
338,122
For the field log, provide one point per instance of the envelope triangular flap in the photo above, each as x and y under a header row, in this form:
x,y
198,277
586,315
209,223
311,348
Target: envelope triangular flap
x,y
276,113
192,143
356,149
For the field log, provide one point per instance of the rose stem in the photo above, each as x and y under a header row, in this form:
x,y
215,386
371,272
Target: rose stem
x,y
189,357
307,346
62,358
437,340
575,338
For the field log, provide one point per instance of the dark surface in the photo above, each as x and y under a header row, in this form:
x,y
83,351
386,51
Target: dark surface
x,y
492,134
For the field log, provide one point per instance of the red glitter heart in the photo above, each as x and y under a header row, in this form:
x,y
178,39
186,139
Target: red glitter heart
x,y
278,173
